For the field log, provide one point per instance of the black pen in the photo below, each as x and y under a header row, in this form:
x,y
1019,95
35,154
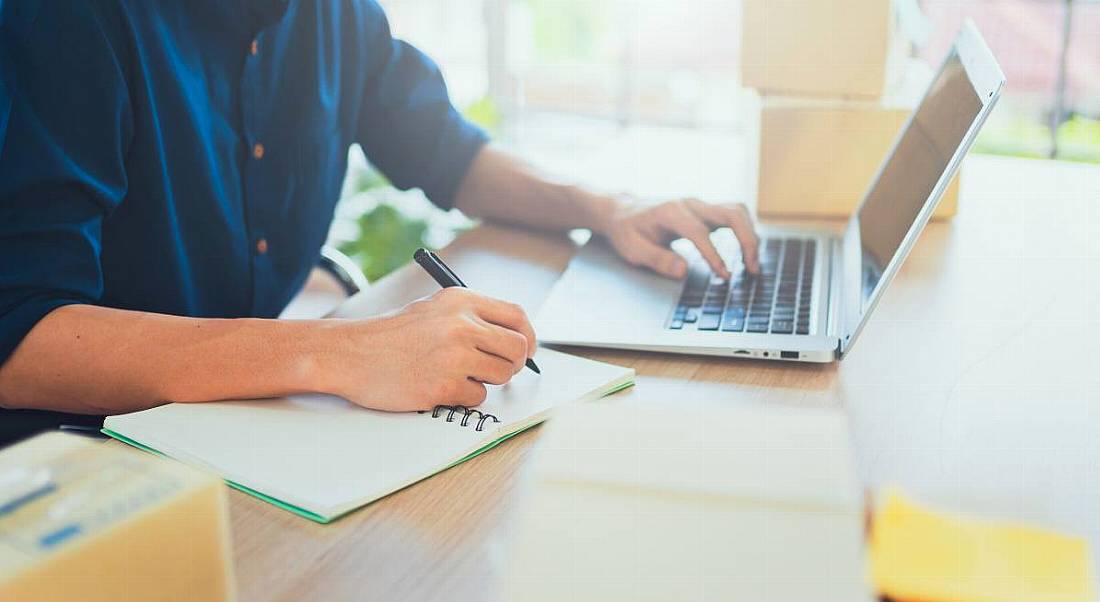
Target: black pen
x,y
445,276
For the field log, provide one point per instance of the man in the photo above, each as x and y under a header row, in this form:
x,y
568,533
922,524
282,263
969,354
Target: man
x,y
168,174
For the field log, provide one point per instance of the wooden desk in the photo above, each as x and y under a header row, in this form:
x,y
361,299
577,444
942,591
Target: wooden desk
x,y
973,386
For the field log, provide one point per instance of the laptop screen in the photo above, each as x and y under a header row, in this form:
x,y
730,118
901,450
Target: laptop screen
x,y
910,174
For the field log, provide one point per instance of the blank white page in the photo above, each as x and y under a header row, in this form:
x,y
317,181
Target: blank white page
x,y
327,455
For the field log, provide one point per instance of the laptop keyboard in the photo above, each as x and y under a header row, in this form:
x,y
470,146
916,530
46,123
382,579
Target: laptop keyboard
x,y
775,301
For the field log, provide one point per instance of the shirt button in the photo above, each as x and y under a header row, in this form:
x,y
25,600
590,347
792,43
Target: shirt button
x,y
261,246
258,151
254,47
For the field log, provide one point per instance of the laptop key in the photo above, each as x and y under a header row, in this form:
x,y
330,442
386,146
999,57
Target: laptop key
x,y
782,326
676,325
691,316
733,324
709,322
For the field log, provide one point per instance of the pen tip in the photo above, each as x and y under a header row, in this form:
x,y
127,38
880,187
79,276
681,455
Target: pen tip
x,y
533,366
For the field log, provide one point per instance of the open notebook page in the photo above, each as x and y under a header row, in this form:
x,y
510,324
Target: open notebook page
x,y
326,456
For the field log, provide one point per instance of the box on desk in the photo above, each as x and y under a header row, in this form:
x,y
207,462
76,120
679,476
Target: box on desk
x,y
817,158
690,501
82,520
825,48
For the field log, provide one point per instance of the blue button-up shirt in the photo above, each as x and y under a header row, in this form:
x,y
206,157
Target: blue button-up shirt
x,y
185,156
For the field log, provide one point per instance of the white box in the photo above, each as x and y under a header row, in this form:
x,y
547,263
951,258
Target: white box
x,y
691,502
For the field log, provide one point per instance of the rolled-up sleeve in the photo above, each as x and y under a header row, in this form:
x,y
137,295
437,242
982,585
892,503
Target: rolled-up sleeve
x,y
408,127
61,158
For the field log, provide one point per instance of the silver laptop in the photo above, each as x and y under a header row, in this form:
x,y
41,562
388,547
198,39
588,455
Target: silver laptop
x,y
815,290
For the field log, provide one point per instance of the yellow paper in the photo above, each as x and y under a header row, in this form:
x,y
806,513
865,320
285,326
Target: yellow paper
x,y
919,555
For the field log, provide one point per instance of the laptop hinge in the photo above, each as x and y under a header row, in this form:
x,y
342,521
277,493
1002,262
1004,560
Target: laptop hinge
x,y
836,297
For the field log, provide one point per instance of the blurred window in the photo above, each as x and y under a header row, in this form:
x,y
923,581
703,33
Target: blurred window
x,y
676,62
650,61
1050,53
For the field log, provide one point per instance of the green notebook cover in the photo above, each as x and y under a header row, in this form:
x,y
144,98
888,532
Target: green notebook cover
x,y
316,517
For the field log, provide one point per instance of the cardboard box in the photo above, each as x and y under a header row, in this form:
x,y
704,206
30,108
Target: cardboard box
x,y
817,158
822,48
83,520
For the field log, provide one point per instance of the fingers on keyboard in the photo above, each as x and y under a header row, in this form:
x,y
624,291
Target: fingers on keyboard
x,y
778,300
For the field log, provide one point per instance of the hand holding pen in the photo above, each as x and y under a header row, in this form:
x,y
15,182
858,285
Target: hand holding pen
x,y
446,278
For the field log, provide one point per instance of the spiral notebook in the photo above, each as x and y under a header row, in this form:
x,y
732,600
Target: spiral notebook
x,y
321,456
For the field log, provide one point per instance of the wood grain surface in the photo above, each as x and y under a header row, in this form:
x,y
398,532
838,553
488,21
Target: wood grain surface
x,y
973,387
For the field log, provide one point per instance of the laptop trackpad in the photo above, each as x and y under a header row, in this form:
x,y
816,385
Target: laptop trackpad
x,y
602,298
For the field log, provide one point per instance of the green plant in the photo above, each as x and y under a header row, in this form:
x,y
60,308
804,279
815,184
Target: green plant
x,y
386,236
485,113
570,30
370,179
1078,139
387,239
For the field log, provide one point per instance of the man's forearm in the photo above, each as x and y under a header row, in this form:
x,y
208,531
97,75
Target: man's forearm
x,y
95,360
502,188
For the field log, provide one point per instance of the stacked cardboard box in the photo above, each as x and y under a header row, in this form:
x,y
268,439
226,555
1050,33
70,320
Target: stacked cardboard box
x,y
835,90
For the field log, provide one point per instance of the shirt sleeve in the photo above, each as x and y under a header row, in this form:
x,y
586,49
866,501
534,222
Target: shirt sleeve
x,y
408,127
61,158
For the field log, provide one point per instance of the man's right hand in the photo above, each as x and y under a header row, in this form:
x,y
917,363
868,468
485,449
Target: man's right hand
x,y
442,349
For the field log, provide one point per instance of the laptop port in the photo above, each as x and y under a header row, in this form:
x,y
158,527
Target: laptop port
x,y
788,355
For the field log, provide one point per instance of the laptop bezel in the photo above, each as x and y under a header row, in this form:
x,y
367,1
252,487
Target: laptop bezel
x,y
988,81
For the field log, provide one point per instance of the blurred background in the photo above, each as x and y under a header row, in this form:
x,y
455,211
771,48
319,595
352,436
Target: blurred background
x,y
645,95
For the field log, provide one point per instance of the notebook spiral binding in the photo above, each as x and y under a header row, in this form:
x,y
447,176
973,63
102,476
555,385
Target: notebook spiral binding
x,y
466,414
